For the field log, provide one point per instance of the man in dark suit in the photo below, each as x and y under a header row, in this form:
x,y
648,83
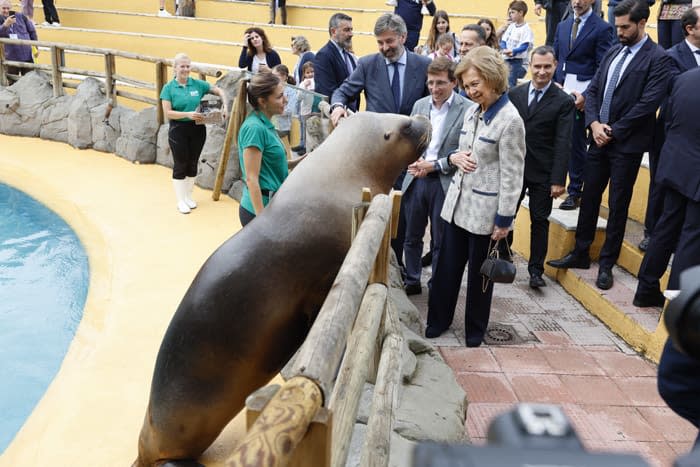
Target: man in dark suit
x,y
392,81
429,177
412,13
580,44
548,114
685,57
675,177
333,62
621,105
679,375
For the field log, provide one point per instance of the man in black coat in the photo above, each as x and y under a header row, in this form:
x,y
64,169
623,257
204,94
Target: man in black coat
x,y
621,104
334,62
665,215
548,114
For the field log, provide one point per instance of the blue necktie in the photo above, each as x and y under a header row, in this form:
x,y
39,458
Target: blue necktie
x,y
607,98
348,62
396,87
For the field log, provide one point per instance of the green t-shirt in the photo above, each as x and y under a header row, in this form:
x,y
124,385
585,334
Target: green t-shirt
x,y
184,98
259,132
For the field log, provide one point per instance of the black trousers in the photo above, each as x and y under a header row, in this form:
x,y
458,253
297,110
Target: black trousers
x,y
663,242
245,216
458,248
577,161
540,205
186,140
655,201
679,384
50,13
688,250
621,171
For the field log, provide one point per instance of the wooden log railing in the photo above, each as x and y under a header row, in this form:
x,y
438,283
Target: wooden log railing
x,y
110,77
321,410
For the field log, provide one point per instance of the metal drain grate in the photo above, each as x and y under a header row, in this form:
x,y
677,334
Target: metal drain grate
x,y
502,334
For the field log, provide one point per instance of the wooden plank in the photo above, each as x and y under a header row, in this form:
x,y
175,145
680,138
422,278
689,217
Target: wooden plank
x,y
321,352
377,444
354,370
56,77
280,427
380,272
109,79
161,78
137,97
223,157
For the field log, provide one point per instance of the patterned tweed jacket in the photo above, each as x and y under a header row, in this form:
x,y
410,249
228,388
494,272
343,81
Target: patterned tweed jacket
x,y
489,195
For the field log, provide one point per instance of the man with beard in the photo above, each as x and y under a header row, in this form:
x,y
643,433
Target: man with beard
x,y
621,104
392,80
334,62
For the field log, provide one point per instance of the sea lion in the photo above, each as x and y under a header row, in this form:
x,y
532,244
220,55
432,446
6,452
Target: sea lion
x,y
252,304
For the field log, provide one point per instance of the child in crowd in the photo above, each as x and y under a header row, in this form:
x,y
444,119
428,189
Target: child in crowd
x,y
283,123
308,103
445,47
516,41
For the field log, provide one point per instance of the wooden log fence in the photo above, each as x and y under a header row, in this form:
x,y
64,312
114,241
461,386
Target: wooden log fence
x,y
358,300
109,76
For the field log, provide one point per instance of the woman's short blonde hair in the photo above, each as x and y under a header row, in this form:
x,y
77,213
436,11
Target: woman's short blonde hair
x,y
490,66
301,43
181,56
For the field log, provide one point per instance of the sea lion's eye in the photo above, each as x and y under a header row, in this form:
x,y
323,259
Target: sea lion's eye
x,y
387,135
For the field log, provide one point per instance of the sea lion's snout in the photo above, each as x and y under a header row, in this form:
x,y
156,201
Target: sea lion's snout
x,y
418,130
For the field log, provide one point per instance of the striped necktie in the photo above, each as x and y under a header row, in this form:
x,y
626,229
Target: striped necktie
x,y
610,90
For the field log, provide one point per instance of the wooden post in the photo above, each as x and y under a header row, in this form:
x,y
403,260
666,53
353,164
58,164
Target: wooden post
x,y
380,273
319,356
359,211
3,76
376,447
109,79
223,159
161,79
56,75
280,427
354,370
315,448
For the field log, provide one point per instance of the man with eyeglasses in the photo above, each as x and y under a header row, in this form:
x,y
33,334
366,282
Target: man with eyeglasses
x,y
429,177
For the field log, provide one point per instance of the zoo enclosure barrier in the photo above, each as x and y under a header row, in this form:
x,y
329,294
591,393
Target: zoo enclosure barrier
x,y
309,420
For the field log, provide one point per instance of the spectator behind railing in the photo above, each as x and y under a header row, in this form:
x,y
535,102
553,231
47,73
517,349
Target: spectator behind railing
x,y
301,48
274,4
261,152
161,9
28,9
283,122
490,30
440,25
308,104
16,26
50,14
257,53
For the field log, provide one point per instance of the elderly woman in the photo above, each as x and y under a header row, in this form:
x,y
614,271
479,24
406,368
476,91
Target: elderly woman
x,y
480,203
262,155
257,53
180,100
302,49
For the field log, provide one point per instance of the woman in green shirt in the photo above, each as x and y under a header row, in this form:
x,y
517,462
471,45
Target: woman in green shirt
x,y
262,154
180,99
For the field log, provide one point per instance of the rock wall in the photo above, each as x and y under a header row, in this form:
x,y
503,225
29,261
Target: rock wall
x,y
85,120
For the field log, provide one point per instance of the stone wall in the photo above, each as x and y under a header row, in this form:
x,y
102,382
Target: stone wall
x,y
85,120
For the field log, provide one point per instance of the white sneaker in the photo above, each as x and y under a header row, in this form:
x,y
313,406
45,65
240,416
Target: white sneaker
x,y
46,23
391,2
56,25
164,13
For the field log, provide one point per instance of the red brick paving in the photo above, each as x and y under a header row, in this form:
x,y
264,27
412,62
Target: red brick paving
x,y
607,391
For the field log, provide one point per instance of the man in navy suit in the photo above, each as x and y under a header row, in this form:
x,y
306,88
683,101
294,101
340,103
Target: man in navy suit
x,y
679,375
665,207
579,46
621,104
392,81
333,63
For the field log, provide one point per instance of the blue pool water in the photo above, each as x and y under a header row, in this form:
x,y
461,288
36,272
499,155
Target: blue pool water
x,y
43,285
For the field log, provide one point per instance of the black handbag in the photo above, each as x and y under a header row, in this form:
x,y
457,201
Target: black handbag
x,y
495,269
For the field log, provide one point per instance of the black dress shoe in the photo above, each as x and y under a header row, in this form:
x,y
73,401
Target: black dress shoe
x,y
605,279
413,289
536,281
427,259
644,300
571,261
644,244
432,332
570,203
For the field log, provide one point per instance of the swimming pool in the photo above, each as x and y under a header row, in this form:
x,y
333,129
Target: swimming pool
x,y
44,277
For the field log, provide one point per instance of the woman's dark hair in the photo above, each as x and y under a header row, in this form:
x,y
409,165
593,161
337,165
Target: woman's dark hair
x,y
491,38
433,34
267,48
260,86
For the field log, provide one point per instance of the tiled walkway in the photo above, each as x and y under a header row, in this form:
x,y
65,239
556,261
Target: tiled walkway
x,y
568,358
